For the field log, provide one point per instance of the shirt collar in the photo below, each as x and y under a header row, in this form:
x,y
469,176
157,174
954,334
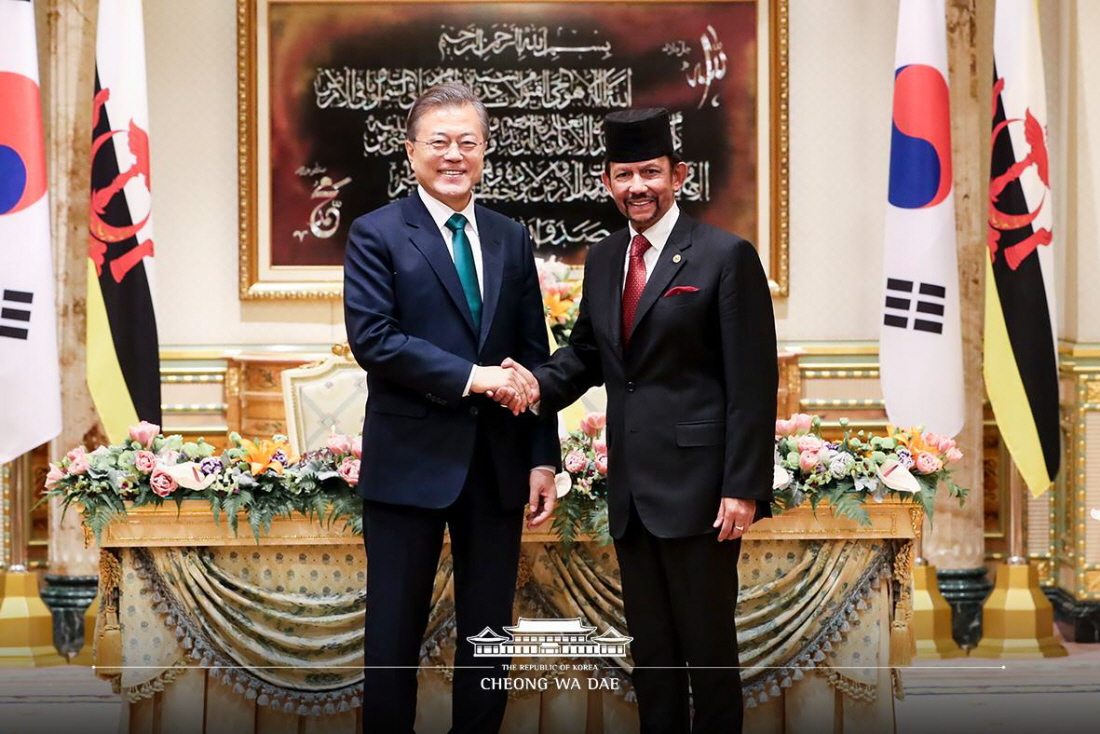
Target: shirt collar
x,y
440,212
658,234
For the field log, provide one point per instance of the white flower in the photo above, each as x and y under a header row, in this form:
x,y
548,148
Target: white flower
x,y
187,475
781,478
1095,514
840,464
895,476
563,483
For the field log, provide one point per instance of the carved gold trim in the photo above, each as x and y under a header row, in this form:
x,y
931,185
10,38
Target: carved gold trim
x,y
194,525
841,373
779,261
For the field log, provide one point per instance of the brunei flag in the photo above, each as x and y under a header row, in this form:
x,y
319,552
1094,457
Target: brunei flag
x,y
1021,359
30,378
123,360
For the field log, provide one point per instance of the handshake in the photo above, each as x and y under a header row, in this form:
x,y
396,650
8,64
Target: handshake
x,y
511,384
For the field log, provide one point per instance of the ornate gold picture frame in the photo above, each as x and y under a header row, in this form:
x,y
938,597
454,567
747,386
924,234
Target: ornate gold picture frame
x,y
323,88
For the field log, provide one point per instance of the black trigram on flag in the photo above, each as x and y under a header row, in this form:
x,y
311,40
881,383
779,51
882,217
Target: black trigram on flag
x,y
15,314
918,304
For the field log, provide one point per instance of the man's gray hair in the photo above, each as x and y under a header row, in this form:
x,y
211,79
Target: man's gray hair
x,y
447,94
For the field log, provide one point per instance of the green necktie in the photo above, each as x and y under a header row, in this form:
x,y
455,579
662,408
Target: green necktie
x,y
464,264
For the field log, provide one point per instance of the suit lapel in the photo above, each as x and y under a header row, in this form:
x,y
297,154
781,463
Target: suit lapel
x,y
673,257
429,240
615,283
492,266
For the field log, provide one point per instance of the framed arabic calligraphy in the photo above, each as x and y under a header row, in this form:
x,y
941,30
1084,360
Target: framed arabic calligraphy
x,y
325,87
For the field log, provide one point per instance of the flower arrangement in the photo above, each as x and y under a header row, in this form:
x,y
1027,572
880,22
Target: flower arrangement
x,y
561,296
263,478
905,464
582,484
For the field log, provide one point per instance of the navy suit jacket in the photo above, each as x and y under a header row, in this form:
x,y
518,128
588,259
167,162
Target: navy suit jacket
x,y
410,328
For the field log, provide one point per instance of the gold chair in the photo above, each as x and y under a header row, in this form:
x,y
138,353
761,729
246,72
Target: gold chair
x,y
324,397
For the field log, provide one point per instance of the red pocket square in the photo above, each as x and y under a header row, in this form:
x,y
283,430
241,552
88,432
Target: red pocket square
x,y
677,290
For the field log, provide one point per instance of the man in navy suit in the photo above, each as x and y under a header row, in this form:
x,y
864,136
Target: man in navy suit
x,y
438,292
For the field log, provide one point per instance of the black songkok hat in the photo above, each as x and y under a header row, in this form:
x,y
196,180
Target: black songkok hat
x,y
637,135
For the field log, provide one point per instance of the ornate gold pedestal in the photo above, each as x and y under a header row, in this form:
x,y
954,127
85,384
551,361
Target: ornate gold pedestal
x,y
1017,619
26,627
932,617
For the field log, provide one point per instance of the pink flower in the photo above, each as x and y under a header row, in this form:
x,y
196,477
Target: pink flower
x,y
357,447
599,446
927,463
809,443
593,424
144,433
601,463
78,460
803,422
162,482
145,461
953,455
339,443
939,443
349,470
54,476
575,461
783,427
807,460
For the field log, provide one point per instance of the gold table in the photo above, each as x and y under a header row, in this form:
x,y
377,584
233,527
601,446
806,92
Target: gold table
x,y
176,693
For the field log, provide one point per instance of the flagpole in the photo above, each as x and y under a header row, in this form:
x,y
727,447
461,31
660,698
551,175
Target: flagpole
x,y
26,625
1016,554
1017,618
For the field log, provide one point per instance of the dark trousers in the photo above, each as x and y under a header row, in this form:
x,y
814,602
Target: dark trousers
x,y
403,546
679,596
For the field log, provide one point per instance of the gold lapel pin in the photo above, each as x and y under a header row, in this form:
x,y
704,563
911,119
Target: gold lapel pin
x,y
676,258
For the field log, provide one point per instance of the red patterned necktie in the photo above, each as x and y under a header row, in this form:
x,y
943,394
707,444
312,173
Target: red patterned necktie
x,y
635,283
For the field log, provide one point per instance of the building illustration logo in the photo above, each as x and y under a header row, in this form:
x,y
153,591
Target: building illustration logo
x,y
549,638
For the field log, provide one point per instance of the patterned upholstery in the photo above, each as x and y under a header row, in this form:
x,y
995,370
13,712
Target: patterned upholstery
x,y
324,397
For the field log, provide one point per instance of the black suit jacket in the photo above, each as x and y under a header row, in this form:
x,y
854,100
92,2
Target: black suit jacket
x,y
410,328
692,399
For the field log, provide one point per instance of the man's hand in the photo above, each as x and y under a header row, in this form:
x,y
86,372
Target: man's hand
x,y
734,517
503,385
521,392
531,385
543,497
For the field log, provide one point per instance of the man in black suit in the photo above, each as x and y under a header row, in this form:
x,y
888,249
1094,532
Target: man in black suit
x,y
437,290
676,320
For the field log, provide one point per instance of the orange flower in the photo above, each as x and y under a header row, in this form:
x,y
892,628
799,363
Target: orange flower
x,y
912,439
557,307
263,457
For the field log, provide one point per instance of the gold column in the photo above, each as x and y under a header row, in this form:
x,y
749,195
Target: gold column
x,y
67,37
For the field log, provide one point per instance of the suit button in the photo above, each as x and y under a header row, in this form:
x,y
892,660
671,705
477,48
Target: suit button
x,y
473,410
630,386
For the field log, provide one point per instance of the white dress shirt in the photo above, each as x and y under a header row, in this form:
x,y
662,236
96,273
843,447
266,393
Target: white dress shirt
x,y
440,213
657,235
